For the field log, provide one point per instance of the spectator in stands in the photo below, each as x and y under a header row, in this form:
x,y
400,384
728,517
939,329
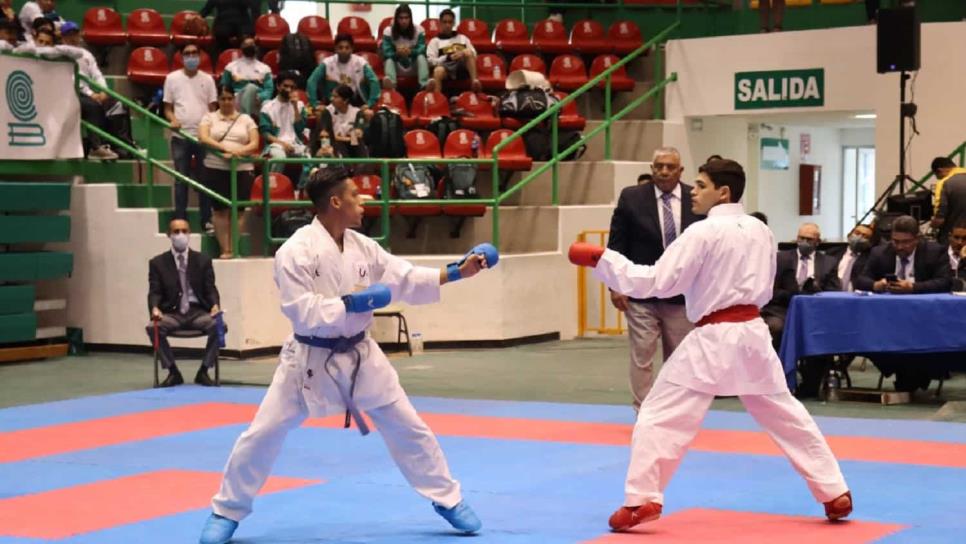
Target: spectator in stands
x,y
404,49
759,216
451,55
919,266
644,178
9,15
231,134
188,95
343,126
853,260
9,34
343,68
282,122
31,11
45,38
40,23
647,219
250,78
771,13
182,296
233,19
94,105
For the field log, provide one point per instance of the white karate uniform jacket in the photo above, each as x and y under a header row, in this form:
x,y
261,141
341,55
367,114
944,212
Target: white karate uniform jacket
x,y
726,260
312,275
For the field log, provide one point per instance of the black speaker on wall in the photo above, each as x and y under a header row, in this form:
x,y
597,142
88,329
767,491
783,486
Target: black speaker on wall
x,y
897,40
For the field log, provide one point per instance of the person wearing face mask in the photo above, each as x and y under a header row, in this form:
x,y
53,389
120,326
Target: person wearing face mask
x,y
250,78
182,296
344,68
188,95
282,122
855,257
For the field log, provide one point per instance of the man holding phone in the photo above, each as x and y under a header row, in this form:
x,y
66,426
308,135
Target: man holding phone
x,y
907,264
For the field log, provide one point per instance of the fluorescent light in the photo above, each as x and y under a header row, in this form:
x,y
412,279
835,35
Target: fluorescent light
x,y
864,116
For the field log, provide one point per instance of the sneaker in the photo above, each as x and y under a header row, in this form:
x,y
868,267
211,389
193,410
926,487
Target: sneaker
x,y
104,153
461,517
627,517
217,530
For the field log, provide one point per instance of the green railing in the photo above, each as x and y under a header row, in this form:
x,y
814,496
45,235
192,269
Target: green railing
x,y
959,152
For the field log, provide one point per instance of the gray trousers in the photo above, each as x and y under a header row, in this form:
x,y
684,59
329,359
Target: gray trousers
x,y
648,323
195,320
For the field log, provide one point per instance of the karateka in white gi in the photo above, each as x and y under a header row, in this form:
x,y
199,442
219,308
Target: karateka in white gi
x,y
330,279
725,267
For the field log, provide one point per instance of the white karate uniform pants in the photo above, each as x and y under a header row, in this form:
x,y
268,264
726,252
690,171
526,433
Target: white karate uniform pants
x,y
671,417
411,443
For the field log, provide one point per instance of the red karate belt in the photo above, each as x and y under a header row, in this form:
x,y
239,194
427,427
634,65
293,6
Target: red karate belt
x,y
732,314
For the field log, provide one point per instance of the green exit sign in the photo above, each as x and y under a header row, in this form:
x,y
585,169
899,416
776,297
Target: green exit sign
x,y
780,89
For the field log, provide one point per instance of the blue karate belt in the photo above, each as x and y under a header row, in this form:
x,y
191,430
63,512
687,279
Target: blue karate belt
x,y
341,344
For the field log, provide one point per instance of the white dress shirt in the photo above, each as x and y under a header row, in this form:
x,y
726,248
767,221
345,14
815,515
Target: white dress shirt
x,y
953,260
675,209
845,270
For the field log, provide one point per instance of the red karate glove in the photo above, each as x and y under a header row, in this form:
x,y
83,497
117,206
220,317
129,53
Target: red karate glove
x,y
583,254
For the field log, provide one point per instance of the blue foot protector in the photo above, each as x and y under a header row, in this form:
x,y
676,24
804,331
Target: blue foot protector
x,y
218,530
461,517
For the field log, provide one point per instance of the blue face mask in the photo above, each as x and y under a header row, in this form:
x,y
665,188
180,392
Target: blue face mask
x,y
192,62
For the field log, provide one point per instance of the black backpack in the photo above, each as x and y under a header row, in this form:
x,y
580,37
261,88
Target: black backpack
x,y
461,180
538,142
525,103
296,54
384,136
442,127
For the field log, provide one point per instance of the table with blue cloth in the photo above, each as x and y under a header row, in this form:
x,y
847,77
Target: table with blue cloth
x,y
839,323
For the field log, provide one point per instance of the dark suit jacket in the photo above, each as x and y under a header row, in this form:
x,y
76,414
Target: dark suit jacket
x,y
635,229
825,278
164,288
931,268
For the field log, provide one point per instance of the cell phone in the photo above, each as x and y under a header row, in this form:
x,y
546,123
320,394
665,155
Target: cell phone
x,y
891,278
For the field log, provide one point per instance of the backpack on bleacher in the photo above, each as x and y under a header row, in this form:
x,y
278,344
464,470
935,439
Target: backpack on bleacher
x,y
442,127
413,181
461,180
526,102
296,54
384,136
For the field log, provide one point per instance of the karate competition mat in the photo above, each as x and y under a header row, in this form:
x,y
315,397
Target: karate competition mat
x,y
141,467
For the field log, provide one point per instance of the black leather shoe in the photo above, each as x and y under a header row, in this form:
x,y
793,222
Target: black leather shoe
x,y
174,378
201,378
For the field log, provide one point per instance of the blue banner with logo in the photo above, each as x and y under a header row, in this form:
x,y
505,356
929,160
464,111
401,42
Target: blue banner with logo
x,y
39,110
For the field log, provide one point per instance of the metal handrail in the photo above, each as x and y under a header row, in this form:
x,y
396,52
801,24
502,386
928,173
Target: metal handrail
x,y
958,152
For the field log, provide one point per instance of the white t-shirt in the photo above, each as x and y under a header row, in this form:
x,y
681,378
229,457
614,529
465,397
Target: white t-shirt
x,y
439,49
86,65
343,123
248,69
233,136
190,97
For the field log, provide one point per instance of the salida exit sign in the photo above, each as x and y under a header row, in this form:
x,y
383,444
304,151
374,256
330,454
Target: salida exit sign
x,y
780,89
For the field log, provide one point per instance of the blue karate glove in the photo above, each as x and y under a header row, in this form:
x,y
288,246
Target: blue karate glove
x,y
371,298
486,249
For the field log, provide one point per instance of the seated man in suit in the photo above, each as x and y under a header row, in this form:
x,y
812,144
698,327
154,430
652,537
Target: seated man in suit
x,y
957,248
182,296
853,260
907,265
801,271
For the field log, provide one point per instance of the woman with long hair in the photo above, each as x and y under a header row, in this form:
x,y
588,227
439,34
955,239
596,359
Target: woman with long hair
x,y
404,49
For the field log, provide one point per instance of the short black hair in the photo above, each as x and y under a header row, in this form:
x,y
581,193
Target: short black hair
x,y
344,92
644,177
941,162
189,44
727,173
41,22
446,12
961,224
9,25
290,75
714,157
906,224
760,216
230,89
344,37
323,183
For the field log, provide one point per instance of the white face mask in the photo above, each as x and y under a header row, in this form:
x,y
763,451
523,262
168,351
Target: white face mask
x,y
179,241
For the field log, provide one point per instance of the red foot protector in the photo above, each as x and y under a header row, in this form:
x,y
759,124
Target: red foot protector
x,y
706,525
71,511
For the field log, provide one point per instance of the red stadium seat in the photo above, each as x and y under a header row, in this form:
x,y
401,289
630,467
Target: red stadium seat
x,y
370,185
148,66
421,144
177,31
479,34
459,144
146,27
177,63
431,27
375,61
625,36
478,112
317,30
361,34
511,36
619,80
550,37
394,101
271,59
491,69
320,55
568,72
103,26
512,157
570,117
429,106
528,62
270,30
383,25
588,38
224,59
279,188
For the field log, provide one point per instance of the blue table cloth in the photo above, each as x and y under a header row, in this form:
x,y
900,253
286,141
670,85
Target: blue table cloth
x,y
835,322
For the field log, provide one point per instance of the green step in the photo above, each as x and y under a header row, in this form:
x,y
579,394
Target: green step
x,y
136,196
60,168
18,327
16,299
165,215
32,266
121,172
18,229
210,247
19,196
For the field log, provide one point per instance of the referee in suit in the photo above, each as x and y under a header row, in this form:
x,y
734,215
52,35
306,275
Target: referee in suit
x,y
182,296
648,217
